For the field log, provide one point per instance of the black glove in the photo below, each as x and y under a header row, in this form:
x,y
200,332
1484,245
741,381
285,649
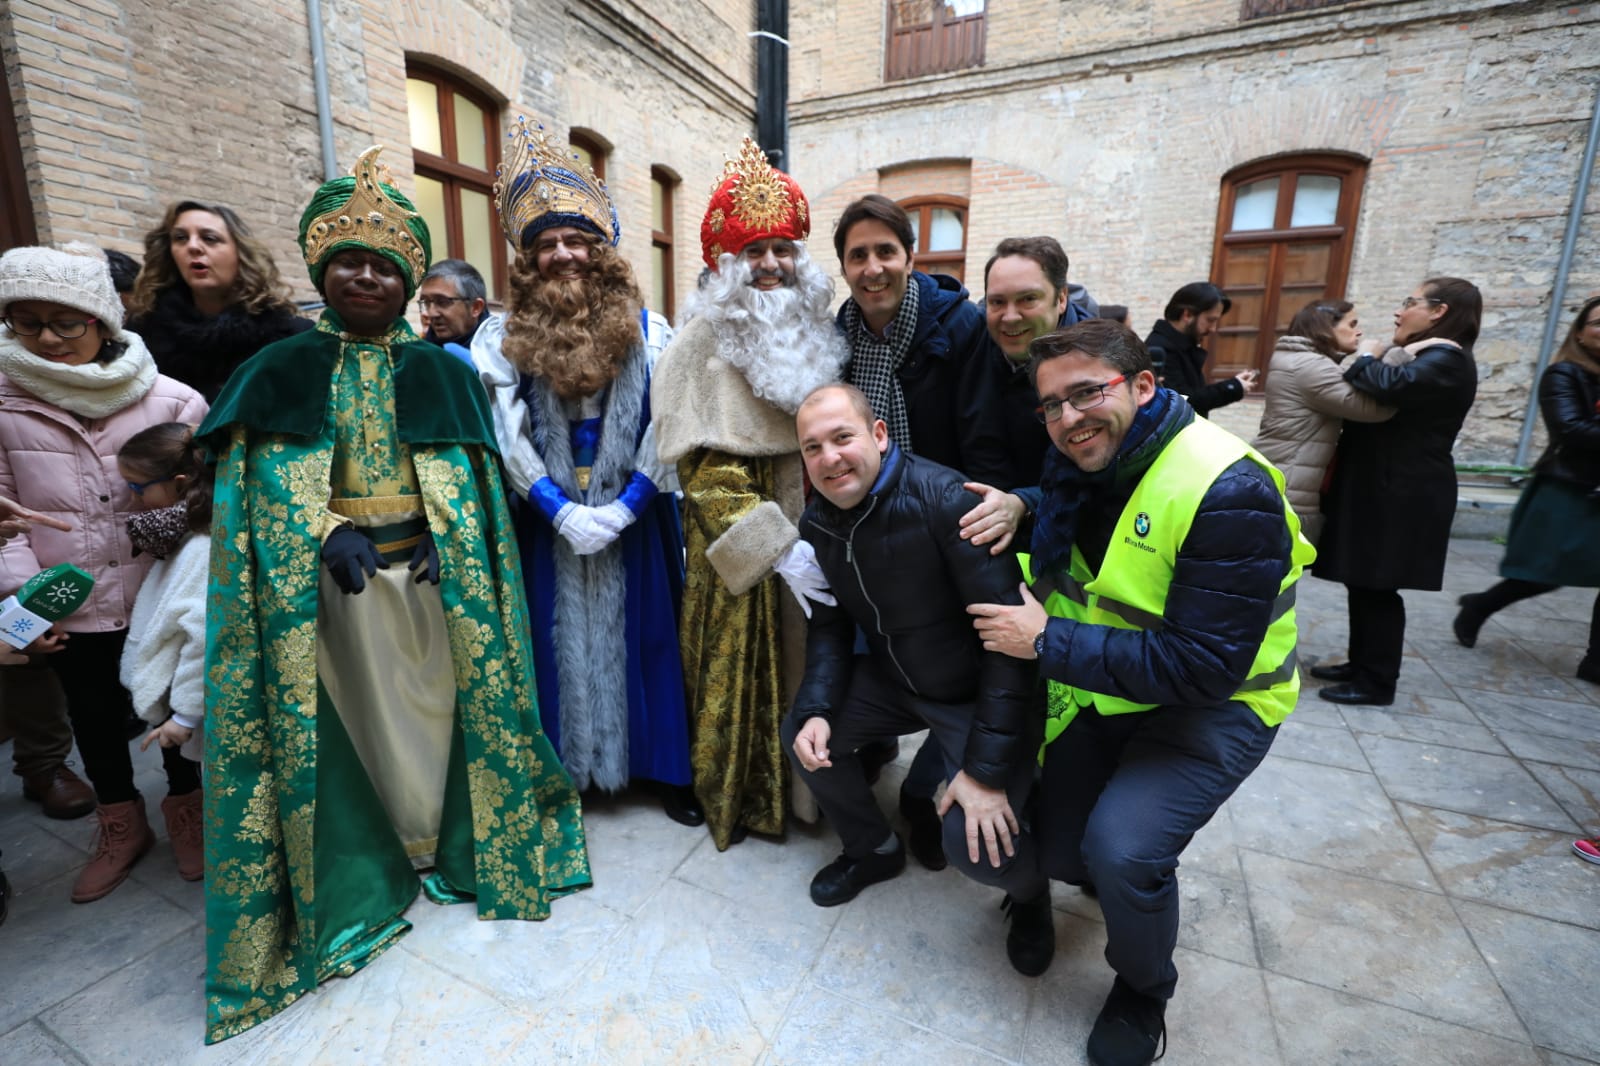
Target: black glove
x,y
425,560
348,554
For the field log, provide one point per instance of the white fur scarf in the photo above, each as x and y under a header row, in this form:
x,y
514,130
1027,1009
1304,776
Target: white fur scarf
x,y
89,390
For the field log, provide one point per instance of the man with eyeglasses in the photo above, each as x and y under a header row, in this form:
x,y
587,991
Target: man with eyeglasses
x,y
454,303
1161,614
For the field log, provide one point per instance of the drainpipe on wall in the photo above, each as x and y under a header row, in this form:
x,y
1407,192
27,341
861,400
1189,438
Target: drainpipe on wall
x,y
319,78
772,80
1558,294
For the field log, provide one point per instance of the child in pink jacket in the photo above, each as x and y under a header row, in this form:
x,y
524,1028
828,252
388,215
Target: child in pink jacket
x,y
74,386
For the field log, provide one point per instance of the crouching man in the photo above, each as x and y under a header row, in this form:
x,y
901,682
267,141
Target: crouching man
x,y
884,525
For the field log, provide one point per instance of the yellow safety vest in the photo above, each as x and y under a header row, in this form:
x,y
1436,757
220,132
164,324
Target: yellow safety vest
x,y
1130,591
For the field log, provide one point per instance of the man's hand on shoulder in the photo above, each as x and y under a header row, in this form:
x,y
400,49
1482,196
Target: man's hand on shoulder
x,y
811,744
1009,630
989,817
995,518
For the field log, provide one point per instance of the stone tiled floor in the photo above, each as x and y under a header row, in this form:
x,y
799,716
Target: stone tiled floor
x,y
1393,886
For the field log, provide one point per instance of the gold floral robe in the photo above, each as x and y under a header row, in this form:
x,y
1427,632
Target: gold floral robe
x,y
306,876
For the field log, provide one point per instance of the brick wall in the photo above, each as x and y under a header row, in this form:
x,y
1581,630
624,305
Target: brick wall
x,y
1112,129
127,105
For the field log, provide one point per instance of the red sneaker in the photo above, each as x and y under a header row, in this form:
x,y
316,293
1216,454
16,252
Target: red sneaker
x,y
1588,849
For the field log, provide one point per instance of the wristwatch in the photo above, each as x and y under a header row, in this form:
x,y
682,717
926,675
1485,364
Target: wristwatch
x,y
1038,643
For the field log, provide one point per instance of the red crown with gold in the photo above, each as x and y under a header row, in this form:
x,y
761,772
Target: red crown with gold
x,y
754,201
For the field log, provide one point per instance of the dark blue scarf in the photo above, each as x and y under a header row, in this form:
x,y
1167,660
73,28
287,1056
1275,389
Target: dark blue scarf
x,y
1066,487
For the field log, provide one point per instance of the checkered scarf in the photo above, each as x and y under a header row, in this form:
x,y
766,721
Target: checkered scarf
x,y
875,364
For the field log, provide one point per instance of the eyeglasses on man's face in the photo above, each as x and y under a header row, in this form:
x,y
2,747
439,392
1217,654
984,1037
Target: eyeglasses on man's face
x,y
1412,301
1081,399
427,303
66,328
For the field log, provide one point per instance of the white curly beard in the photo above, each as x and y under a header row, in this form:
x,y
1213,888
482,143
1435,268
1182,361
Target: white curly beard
x,y
784,341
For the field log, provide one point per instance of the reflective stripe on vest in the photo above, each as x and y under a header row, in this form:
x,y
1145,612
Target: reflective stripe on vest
x,y
1130,591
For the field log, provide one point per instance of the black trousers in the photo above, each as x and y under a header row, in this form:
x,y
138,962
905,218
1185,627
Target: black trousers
x,y
99,706
1377,636
1513,589
876,708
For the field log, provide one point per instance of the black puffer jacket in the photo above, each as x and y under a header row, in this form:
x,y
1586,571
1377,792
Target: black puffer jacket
x,y
1568,395
901,571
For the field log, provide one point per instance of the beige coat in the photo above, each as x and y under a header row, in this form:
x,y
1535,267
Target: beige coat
x,y
1307,403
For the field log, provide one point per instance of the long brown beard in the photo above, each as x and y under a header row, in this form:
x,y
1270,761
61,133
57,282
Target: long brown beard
x,y
574,333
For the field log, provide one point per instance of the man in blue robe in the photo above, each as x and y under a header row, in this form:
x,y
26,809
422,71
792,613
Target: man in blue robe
x,y
568,374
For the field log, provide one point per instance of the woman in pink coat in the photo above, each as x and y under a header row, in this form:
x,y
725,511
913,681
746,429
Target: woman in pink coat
x,y
73,387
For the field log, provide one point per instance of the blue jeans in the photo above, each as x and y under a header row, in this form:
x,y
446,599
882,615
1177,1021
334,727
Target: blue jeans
x,y
1120,798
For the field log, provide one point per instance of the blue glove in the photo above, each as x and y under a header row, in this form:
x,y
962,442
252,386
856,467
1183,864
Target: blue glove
x,y
425,560
348,554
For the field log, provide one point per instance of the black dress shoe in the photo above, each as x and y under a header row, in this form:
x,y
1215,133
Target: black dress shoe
x,y
1356,692
926,838
1469,620
680,804
1129,1028
843,879
1333,671
1031,941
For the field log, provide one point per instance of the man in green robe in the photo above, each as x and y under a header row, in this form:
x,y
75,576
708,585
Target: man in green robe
x,y
364,721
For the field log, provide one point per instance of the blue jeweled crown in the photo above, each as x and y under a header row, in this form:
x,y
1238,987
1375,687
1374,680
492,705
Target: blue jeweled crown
x,y
542,184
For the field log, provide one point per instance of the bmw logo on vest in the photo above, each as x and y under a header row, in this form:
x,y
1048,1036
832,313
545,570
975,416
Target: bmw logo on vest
x,y
1141,524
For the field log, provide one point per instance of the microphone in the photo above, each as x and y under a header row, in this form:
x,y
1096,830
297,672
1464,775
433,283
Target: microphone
x,y
46,598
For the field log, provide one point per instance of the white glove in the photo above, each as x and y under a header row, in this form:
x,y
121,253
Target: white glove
x,y
586,531
615,516
799,568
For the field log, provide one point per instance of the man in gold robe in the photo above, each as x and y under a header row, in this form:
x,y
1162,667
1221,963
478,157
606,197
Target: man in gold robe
x,y
759,337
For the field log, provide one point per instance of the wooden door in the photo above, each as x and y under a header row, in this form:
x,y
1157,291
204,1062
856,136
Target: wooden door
x,y
16,206
1284,232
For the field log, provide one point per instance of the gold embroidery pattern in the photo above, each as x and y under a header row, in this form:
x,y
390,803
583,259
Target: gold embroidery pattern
x,y
525,832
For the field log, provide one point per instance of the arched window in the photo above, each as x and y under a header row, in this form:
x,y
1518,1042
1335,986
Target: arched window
x,y
941,227
1284,231
590,149
662,186
455,147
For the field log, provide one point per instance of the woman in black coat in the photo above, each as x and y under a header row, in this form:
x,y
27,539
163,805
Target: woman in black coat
x,y
1556,525
1392,495
209,296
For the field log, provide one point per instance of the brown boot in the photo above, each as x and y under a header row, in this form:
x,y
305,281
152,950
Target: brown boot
x,y
124,837
62,793
185,829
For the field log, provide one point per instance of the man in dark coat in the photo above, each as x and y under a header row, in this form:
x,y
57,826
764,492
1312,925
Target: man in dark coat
x,y
1025,295
884,528
454,303
1176,346
911,337
1166,554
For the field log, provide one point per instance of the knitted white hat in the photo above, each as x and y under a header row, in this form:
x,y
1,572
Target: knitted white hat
x,y
76,275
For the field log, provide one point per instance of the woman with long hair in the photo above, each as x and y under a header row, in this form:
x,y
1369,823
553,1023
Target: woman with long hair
x,y
209,296
1392,496
1308,400
1556,524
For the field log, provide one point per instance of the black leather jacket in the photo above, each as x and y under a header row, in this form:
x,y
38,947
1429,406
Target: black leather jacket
x,y
1567,398
900,570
